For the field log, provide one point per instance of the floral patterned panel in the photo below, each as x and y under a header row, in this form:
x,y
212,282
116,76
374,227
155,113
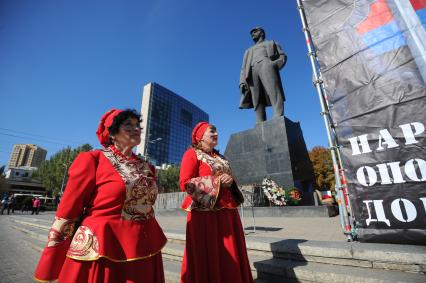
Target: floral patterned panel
x,y
84,245
61,230
141,187
217,163
204,191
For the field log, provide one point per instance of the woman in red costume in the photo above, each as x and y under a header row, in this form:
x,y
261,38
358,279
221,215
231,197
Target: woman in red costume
x,y
215,248
105,229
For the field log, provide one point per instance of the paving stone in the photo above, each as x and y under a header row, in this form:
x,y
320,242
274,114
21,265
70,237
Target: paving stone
x,y
17,260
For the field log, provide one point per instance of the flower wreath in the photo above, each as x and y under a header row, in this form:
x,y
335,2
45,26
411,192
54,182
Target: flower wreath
x,y
273,192
279,196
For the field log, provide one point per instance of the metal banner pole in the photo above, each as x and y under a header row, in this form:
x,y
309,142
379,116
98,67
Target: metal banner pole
x,y
339,158
344,218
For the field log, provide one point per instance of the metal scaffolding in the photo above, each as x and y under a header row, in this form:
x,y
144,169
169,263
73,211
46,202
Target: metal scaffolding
x,y
342,196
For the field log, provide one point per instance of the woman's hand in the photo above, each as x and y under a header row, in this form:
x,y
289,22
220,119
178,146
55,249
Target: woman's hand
x,y
226,180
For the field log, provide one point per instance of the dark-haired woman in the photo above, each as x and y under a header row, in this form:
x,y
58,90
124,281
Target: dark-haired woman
x,y
215,248
104,228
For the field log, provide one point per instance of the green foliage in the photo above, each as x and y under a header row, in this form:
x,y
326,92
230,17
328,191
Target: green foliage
x,y
53,172
4,187
168,180
323,168
293,196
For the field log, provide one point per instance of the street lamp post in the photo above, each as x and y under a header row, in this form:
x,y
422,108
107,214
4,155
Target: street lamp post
x,y
63,179
66,164
145,154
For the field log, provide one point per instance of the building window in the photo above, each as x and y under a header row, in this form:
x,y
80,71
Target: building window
x,y
186,117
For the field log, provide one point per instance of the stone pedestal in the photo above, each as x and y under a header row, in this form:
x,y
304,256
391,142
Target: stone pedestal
x,y
274,149
261,152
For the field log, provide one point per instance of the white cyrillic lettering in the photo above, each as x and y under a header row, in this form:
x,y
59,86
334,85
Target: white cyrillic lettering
x,y
384,174
388,140
356,146
372,177
415,170
396,172
410,210
407,130
424,202
410,170
380,212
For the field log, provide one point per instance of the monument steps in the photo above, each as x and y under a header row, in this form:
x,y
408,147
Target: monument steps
x,y
273,211
292,260
279,270
406,258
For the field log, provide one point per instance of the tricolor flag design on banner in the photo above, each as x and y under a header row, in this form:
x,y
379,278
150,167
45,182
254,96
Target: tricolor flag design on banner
x,y
380,31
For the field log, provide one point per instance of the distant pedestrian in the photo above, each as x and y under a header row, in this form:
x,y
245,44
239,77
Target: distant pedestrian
x,y
3,204
57,200
37,204
25,207
11,204
34,207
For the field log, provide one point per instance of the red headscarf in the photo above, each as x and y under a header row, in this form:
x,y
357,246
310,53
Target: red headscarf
x,y
104,124
198,132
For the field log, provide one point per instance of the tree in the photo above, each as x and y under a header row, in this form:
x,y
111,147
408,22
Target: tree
x,y
323,168
168,180
4,187
53,172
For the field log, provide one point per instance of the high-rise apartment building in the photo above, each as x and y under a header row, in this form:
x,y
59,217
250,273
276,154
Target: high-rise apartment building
x,y
167,121
27,155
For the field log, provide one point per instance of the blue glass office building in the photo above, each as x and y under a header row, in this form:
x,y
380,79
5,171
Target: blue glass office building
x,y
167,121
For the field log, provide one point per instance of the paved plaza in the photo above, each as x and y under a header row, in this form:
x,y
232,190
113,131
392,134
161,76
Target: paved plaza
x,y
20,250
18,256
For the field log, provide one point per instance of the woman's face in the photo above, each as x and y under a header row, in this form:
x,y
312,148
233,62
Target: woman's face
x,y
210,138
129,133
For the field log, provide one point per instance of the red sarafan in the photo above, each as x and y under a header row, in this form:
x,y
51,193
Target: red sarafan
x,y
215,249
105,228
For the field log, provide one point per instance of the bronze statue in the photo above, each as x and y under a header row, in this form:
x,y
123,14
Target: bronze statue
x,y
260,82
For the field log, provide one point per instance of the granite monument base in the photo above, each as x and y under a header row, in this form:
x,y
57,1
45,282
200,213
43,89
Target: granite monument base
x,y
274,149
261,152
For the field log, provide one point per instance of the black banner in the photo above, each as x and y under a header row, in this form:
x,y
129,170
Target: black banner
x,y
372,59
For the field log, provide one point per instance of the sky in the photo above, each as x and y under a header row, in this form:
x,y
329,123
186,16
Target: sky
x,y
64,63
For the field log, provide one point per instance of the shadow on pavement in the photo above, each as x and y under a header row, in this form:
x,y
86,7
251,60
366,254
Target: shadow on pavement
x,y
263,229
286,257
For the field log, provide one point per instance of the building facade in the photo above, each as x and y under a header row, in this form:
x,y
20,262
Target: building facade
x,y
29,155
167,121
24,173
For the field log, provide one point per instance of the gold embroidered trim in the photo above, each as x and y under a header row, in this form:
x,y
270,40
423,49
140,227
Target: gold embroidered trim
x,y
218,191
119,260
204,191
39,280
217,164
61,230
84,244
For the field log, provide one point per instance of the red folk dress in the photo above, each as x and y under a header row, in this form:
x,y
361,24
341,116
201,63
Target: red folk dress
x,y
215,248
119,239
